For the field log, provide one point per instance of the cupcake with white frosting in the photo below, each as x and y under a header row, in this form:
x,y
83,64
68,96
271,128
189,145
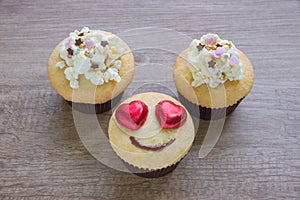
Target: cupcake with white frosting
x,y
212,77
90,69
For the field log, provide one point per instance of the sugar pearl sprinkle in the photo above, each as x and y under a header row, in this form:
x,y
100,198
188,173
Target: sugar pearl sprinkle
x,y
93,54
213,61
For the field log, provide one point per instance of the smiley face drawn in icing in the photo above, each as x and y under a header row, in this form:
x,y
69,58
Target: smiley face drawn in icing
x,y
150,128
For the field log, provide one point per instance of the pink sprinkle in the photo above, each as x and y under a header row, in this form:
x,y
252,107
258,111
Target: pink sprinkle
x,y
69,56
209,40
220,51
89,44
234,60
213,53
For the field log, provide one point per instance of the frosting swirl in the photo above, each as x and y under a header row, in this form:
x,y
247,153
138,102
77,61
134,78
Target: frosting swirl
x,y
213,61
91,53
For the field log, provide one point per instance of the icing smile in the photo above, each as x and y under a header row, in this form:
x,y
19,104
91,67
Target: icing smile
x,y
158,147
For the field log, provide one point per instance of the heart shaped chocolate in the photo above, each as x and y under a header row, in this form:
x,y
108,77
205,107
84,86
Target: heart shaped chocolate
x,y
132,115
170,115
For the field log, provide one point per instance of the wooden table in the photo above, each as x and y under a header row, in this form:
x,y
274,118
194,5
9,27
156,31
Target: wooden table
x,y
257,156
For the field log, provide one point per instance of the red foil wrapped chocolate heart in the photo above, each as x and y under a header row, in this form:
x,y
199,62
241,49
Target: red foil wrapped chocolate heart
x,y
132,115
170,115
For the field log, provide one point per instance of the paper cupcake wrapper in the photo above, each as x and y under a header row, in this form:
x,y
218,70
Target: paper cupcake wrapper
x,y
95,108
146,173
207,113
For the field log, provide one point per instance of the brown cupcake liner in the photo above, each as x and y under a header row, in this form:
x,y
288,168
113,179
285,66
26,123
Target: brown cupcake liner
x,y
207,113
147,173
95,108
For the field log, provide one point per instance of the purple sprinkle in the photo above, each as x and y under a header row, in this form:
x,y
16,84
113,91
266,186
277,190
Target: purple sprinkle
x,y
213,53
209,40
89,44
220,51
234,60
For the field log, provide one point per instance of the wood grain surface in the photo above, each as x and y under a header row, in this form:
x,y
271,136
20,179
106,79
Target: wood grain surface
x,y
257,156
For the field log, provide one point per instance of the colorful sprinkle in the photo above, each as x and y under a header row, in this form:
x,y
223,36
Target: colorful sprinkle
x,y
89,44
209,41
104,43
234,60
87,53
82,46
218,52
210,48
94,66
78,42
200,47
76,52
70,51
211,64
223,76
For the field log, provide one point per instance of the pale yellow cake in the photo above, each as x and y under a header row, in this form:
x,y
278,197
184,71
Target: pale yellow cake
x,y
151,133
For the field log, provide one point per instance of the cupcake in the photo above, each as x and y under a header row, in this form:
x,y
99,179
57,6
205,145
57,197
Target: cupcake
x,y
151,132
212,77
90,69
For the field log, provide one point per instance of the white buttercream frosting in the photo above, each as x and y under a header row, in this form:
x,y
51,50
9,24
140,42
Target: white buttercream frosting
x,y
92,54
213,61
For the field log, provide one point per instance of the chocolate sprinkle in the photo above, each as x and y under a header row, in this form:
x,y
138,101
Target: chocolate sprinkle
x,y
70,51
218,45
211,64
78,42
94,66
81,34
200,47
104,43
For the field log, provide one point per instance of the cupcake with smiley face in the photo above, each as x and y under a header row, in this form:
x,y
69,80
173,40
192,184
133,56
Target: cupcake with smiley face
x,y
90,69
212,77
151,133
